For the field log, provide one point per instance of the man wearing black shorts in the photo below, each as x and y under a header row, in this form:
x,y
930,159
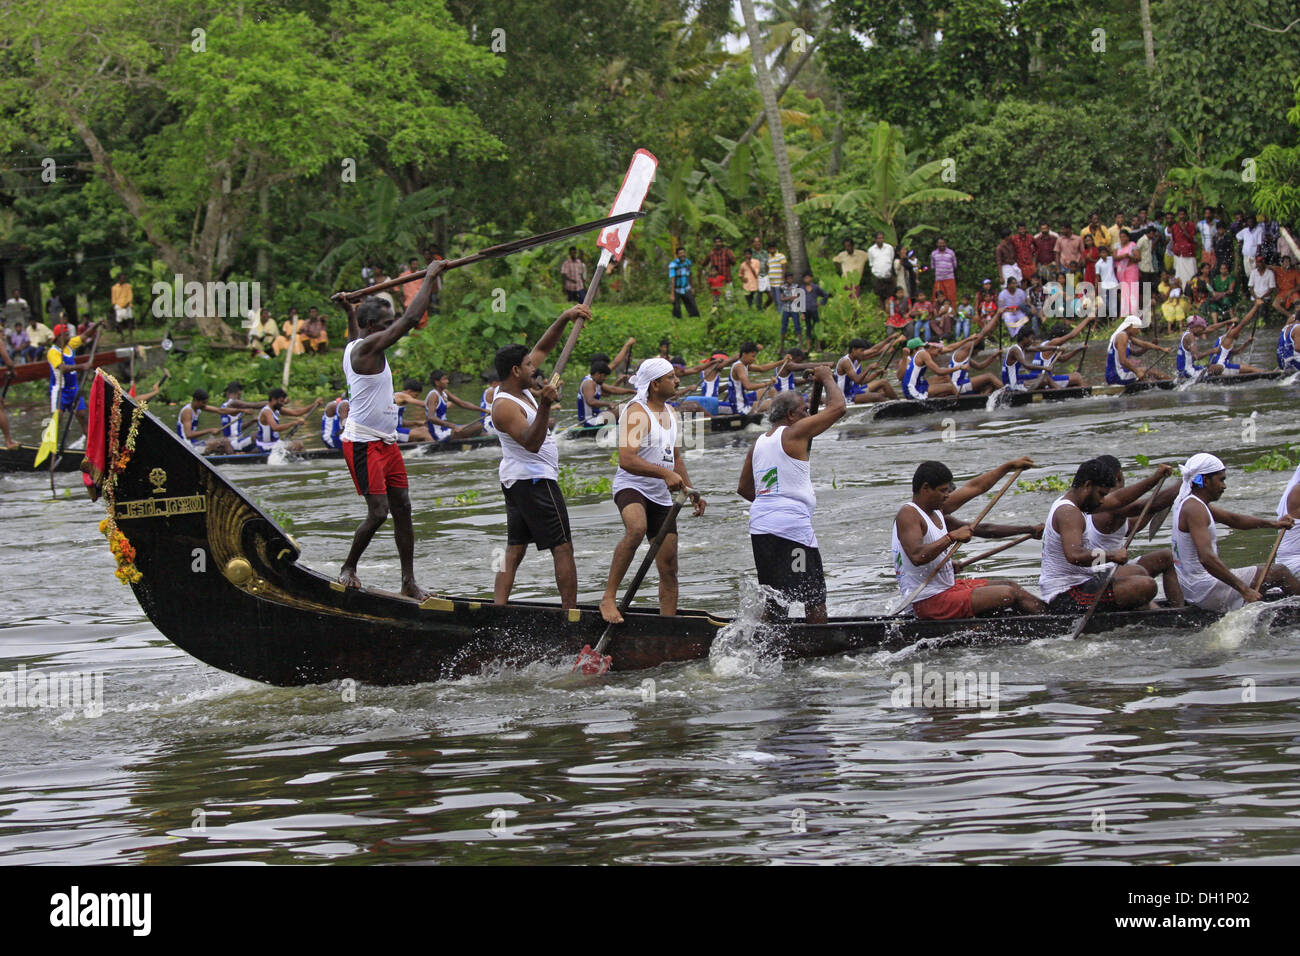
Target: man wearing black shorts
x,y
530,464
777,481
650,467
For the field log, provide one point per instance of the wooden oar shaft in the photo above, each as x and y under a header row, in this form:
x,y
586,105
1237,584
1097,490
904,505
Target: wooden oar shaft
x,y
679,499
967,562
1110,575
1263,572
567,351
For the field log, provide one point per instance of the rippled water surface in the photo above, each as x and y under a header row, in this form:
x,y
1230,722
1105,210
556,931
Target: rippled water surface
x,y
1143,747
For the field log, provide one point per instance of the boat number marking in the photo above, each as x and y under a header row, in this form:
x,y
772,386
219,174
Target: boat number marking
x,y
161,507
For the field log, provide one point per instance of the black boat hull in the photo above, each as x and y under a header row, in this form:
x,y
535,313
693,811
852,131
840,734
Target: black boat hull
x,y
222,582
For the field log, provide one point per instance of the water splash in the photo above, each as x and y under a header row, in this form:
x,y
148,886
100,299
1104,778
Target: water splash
x,y
742,648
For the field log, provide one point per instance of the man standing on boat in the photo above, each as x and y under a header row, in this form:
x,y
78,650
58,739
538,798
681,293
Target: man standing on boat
x,y
777,480
530,463
651,467
1206,581
1072,574
923,533
370,432
64,371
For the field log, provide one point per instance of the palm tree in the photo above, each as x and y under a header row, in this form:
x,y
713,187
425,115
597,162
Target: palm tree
x,y
894,184
793,229
389,224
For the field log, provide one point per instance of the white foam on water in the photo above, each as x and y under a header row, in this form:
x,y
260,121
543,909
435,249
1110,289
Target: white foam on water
x,y
280,454
740,648
1236,627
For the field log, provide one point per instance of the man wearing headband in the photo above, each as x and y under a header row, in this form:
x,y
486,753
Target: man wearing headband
x,y
1189,354
1121,368
1206,581
651,467
777,481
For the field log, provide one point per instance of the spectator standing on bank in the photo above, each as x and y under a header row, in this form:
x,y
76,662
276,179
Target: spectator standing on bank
x,y
749,271
679,285
722,259
122,297
880,260
853,264
1005,254
776,263
573,272
943,263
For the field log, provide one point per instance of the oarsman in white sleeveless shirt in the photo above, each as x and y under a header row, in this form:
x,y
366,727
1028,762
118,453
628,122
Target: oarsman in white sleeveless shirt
x,y
1206,581
1108,527
1072,573
924,530
593,409
370,432
271,420
530,464
1288,553
650,468
777,480
187,426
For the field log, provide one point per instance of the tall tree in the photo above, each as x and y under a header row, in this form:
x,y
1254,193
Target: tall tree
x,y
793,229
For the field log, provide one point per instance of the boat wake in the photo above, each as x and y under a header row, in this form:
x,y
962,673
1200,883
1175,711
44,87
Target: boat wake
x,y
744,648
1236,627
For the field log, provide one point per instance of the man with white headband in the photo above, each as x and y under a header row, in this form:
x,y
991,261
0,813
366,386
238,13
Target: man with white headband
x,y
1206,581
651,467
1121,369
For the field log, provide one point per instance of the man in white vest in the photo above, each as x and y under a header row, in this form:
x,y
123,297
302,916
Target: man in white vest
x,y
369,437
530,463
777,480
651,467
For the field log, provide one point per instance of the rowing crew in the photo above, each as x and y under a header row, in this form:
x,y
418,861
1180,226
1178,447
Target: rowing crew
x,y
230,438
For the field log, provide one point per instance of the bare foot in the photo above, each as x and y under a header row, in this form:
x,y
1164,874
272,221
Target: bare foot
x,y
609,611
12,445
412,590
348,578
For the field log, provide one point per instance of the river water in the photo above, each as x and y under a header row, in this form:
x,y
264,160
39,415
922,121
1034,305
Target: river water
x,y
1142,747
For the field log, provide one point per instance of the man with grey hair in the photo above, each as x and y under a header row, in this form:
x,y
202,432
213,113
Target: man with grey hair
x,y
777,481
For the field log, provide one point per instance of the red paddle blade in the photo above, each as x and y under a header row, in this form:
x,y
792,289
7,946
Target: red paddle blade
x,y
591,663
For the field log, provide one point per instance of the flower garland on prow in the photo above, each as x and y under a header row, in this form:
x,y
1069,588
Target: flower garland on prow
x,y
119,456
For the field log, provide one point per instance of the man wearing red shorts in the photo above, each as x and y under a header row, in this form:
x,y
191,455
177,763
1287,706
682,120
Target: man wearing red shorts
x,y
924,530
370,434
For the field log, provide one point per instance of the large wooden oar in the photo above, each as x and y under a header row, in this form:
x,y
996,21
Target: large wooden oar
x,y
959,566
1263,572
907,601
496,252
1110,575
597,661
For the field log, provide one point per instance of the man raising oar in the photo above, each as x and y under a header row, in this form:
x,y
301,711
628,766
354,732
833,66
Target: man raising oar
x,y
1206,581
530,463
64,370
370,433
1072,578
923,532
777,479
651,467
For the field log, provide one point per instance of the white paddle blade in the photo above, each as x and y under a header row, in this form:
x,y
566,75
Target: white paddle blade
x,y
631,196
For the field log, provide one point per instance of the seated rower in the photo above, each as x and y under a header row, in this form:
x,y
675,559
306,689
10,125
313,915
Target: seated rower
x,y
915,384
485,403
1018,373
1108,527
232,412
410,395
331,423
856,380
187,421
924,529
1226,350
964,355
435,406
1072,576
269,425
593,409
707,401
1287,359
777,481
1121,369
743,391
786,380
1189,354
1206,581
1050,352
1288,552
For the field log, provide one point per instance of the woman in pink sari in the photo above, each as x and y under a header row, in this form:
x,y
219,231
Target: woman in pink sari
x,y
1126,270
